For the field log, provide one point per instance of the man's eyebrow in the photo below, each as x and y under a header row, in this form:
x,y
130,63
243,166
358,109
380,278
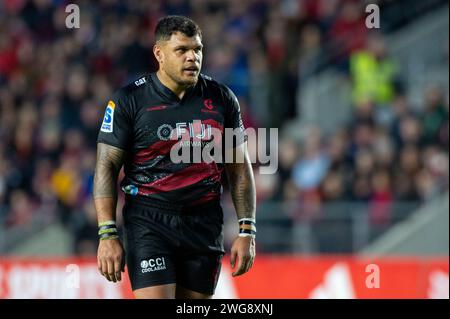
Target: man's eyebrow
x,y
185,47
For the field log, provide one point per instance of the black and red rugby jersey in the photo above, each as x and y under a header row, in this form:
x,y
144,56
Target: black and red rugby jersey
x,y
142,119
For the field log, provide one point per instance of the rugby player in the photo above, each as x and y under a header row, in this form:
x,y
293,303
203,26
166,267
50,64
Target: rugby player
x,y
173,220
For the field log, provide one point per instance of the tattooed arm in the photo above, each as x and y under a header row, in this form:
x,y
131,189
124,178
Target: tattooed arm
x,y
243,193
109,163
110,255
242,184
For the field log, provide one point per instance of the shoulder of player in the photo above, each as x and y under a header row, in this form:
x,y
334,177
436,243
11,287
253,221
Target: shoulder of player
x,y
125,96
216,88
133,87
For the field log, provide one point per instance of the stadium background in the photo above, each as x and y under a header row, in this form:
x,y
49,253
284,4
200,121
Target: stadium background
x,y
363,150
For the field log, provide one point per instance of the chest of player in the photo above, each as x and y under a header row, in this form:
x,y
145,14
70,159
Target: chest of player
x,y
195,118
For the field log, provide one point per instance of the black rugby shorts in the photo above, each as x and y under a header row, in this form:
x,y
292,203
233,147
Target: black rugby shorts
x,y
166,243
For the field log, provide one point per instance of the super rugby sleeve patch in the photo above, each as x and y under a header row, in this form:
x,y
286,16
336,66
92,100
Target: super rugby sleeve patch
x,y
108,119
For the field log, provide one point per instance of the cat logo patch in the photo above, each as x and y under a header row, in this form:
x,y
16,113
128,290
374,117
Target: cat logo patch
x,y
107,125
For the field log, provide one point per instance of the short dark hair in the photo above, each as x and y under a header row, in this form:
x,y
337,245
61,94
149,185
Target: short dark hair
x,y
170,24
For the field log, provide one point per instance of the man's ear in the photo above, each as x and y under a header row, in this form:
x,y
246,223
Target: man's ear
x,y
158,53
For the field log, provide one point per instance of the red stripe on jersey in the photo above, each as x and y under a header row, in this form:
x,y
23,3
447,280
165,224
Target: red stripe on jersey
x,y
163,147
158,148
205,198
214,124
156,107
185,177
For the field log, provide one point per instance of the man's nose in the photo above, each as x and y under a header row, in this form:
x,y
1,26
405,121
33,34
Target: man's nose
x,y
191,56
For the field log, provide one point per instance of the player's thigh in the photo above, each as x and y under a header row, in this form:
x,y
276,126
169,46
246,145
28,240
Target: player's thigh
x,y
199,262
156,292
198,274
184,293
148,253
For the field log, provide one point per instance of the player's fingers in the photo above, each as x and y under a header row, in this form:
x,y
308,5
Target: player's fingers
x,y
111,275
104,268
99,265
247,265
233,258
242,264
250,263
122,267
117,268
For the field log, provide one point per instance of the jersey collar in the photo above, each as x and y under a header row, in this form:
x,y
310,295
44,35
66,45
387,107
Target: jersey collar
x,y
167,93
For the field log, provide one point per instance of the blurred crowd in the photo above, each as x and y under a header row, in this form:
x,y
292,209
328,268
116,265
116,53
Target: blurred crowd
x,y
55,82
369,162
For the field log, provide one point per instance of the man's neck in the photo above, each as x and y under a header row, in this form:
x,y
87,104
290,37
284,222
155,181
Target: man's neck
x,y
178,90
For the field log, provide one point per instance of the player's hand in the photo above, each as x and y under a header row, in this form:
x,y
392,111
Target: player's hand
x,y
242,250
111,259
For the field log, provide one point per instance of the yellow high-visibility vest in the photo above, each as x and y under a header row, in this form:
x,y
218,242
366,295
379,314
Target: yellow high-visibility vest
x,y
372,79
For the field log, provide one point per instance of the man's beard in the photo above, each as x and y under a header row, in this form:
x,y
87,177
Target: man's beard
x,y
184,82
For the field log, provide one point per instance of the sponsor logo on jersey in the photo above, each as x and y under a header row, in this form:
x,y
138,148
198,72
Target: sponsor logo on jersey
x,y
130,189
185,131
108,119
140,81
164,132
208,106
207,77
153,264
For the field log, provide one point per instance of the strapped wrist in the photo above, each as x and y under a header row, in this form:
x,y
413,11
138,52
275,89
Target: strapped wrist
x,y
247,227
107,230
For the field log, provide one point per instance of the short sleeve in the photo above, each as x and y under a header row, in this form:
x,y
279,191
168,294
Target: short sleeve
x,y
233,117
116,127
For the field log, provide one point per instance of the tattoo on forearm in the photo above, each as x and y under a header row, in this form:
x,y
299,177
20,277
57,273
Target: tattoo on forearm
x,y
242,188
109,163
